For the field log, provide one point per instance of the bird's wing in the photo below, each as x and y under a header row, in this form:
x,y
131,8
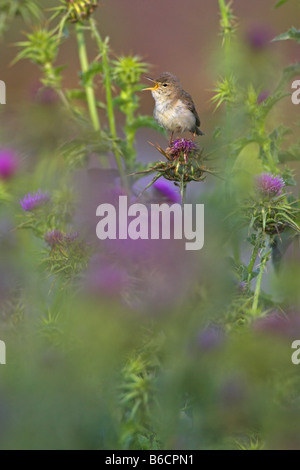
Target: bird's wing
x,y
190,104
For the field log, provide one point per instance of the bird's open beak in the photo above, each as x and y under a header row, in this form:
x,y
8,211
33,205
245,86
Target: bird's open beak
x,y
151,88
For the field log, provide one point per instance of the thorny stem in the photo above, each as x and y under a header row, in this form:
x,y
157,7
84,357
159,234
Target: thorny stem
x,y
183,192
226,42
90,95
264,259
226,33
109,100
269,156
252,261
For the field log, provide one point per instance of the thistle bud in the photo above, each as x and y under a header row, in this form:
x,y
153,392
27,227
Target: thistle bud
x,y
80,10
184,162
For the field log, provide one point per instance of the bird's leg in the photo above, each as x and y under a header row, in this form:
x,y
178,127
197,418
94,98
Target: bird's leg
x,y
194,135
171,138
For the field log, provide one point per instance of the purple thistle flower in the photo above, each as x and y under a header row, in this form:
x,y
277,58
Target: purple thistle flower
x,y
269,185
181,148
183,145
8,164
31,201
54,237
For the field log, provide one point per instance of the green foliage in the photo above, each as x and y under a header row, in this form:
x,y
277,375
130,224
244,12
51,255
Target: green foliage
x,y
127,70
292,33
28,10
41,47
227,21
66,259
77,151
225,91
137,396
280,3
254,443
126,73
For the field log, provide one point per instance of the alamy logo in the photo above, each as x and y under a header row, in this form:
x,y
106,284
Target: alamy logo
x,y
296,354
296,94
162,220
2,353
2,92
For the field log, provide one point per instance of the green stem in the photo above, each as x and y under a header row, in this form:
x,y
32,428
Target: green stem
x,y
252,261
269,156
130,132
226,25
258,282
183,192
84,63
109,99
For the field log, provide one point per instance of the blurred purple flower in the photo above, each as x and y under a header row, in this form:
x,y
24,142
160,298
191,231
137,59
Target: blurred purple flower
x,y
269,185
44,95
70,237
210,338
258,37
286,326
233,391
106,278
8,163
264,94
54,237
165,191
31,201
242,287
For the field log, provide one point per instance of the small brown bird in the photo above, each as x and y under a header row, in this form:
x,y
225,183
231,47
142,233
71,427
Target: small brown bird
x,y
174,108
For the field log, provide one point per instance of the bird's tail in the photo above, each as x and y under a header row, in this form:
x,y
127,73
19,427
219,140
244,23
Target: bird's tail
x,y
199,132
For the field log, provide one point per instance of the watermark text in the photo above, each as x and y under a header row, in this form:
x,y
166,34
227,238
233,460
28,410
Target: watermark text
x,y
2,92
296,354
2,353
296,94
159,221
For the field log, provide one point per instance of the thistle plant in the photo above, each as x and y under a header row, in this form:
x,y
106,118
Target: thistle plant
x,y
77,11
126,73
270,211
41,47
137,396
185,163
68,255
32,201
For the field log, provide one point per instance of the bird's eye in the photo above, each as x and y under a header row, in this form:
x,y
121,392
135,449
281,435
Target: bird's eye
x,y
165,84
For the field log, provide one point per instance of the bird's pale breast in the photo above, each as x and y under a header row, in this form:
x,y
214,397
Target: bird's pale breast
x,y
174,116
